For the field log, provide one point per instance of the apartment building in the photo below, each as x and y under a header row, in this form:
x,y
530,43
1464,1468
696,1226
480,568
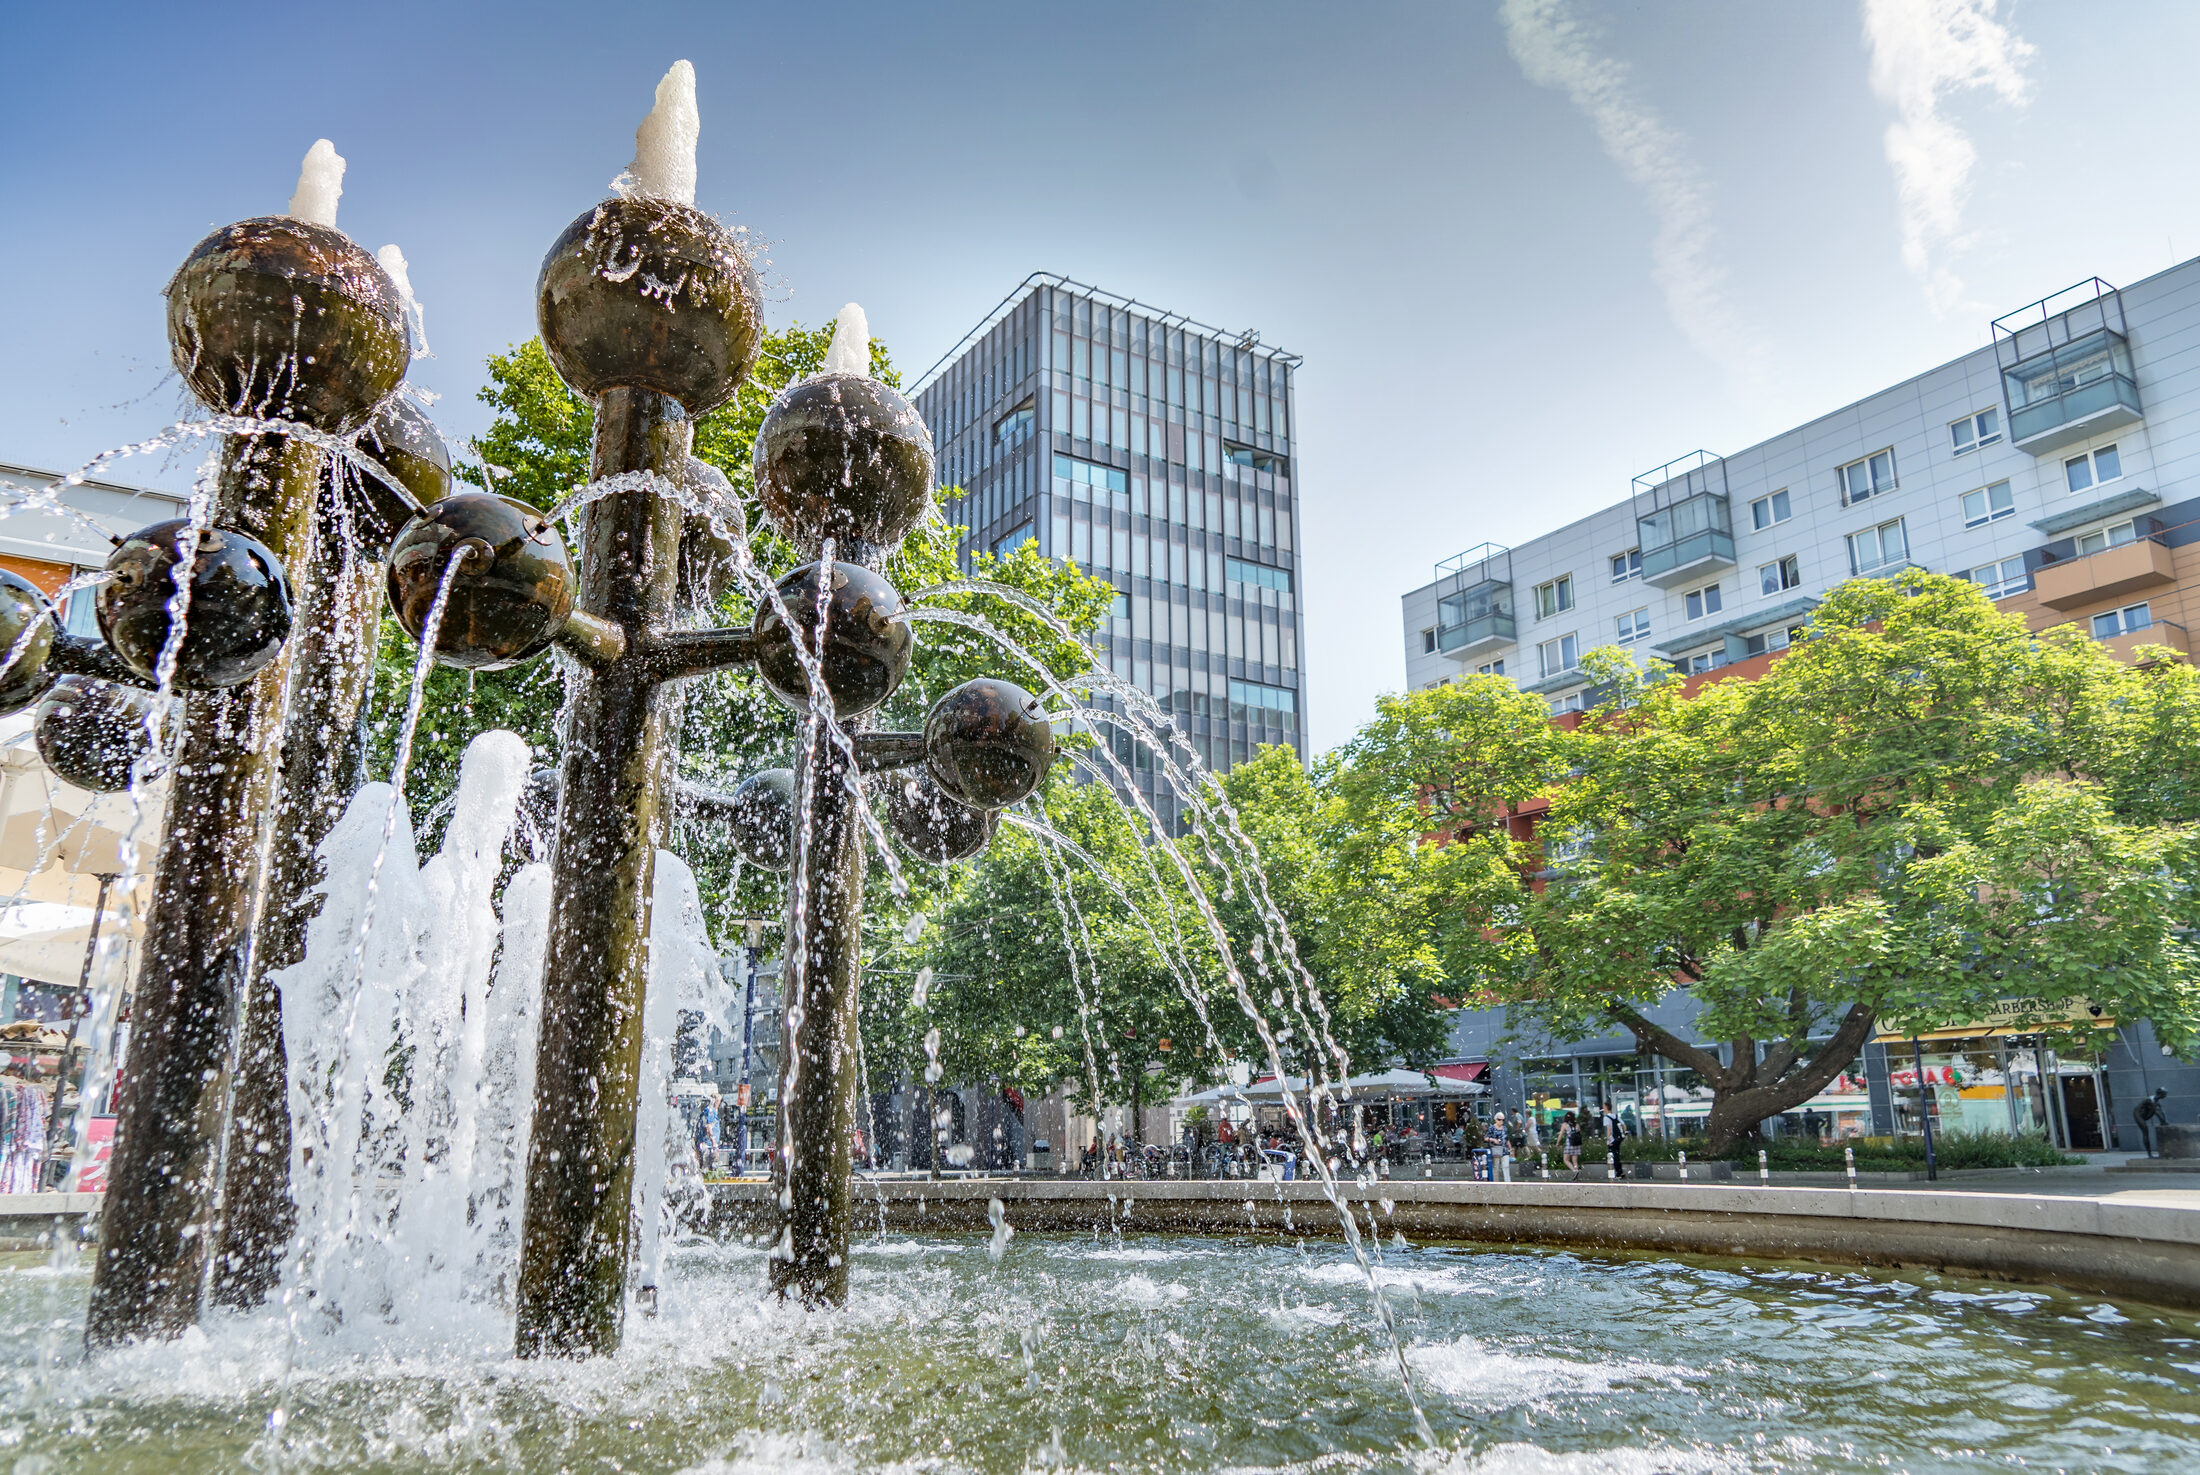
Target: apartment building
x,y
51,546
2059,468
1157,453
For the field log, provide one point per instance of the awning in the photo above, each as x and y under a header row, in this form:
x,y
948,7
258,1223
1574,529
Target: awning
x,y
1462,1070
2012,1017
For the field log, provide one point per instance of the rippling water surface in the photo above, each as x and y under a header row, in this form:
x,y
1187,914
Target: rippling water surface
x,y
1152,1354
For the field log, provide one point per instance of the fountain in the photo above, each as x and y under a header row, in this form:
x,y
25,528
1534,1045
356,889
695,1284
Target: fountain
x,y
649,310
477,1081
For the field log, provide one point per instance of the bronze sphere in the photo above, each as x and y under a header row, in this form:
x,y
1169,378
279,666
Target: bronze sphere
x,y
237,618
93,732
843,456
406,444
26,635
868,643
510,598
988,743
931,825
762,819
648,294
706,556
285,319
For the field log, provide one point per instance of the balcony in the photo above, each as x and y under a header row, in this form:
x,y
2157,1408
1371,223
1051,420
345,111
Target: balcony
x,y
1474,610
2112,573
2161,632
1686,532
2066,369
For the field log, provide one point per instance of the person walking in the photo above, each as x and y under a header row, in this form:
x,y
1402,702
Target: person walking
x,y
1615,1133
1569,1141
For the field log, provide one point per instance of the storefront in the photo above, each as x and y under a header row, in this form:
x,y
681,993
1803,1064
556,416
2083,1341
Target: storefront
x,y
2012,1071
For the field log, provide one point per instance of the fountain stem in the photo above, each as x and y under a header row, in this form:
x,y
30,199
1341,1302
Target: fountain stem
x,y
817,1099
580,1167
158,1228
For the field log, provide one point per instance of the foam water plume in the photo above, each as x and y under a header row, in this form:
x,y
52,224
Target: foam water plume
x,y
850,350
664,146
416,316
320,184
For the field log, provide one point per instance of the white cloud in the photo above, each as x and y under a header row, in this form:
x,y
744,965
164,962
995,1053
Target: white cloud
x,y
1555,49
1923,50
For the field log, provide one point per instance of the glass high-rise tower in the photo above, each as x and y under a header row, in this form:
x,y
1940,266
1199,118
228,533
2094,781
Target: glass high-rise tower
x,y
1156,452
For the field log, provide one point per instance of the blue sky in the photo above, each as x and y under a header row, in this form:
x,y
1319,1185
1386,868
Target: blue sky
x,y
1527,250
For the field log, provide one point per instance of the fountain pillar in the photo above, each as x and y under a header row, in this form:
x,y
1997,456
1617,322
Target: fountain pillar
x,y
332,655
817,1094
580,1160
283,318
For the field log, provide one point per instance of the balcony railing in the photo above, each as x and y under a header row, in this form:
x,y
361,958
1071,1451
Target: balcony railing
x,y
2066,369
1475,634
1683,539
2112,573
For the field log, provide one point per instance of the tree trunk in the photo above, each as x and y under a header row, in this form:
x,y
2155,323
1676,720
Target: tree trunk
x,y
1740,1098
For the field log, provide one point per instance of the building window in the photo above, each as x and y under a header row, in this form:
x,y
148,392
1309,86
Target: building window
x,y
1973,431
1258,700
1555,597
1988,504
1704,601
1560,655
2000,580
1238,455
1014,427
1091,474
2093,467
1491,668
1258,573
1767,510
1871,477
2122,621
1428,640
2115,535
1785,573
1633,626
1757,645
1013,539
1627,565
1572,701
1696,665
1882,547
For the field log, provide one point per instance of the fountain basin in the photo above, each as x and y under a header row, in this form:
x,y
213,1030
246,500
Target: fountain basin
x,y
1151,1353
2109,1246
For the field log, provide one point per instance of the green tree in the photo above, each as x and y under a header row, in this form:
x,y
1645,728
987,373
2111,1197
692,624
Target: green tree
x,y
1920,810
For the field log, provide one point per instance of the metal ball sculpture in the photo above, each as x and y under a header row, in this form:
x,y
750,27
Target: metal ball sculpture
x,y
988,743
868,643
928,822
281,318
235,621
761,819
645,293
511,596
405,443
93,732
845,457
26,639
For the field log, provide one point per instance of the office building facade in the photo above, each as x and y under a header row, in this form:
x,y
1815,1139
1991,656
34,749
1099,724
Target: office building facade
x,y
1156,453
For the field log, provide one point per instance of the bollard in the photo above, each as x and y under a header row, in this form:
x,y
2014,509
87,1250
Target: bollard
x,y
1848,1154
1764,1169
1684,1166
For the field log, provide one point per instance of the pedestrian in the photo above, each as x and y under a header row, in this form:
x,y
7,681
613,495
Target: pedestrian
x,y
2151,1119
1499,1141
1569,1139
1614,1134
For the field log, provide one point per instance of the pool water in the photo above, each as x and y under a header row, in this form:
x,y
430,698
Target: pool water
x,y
1150,1354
